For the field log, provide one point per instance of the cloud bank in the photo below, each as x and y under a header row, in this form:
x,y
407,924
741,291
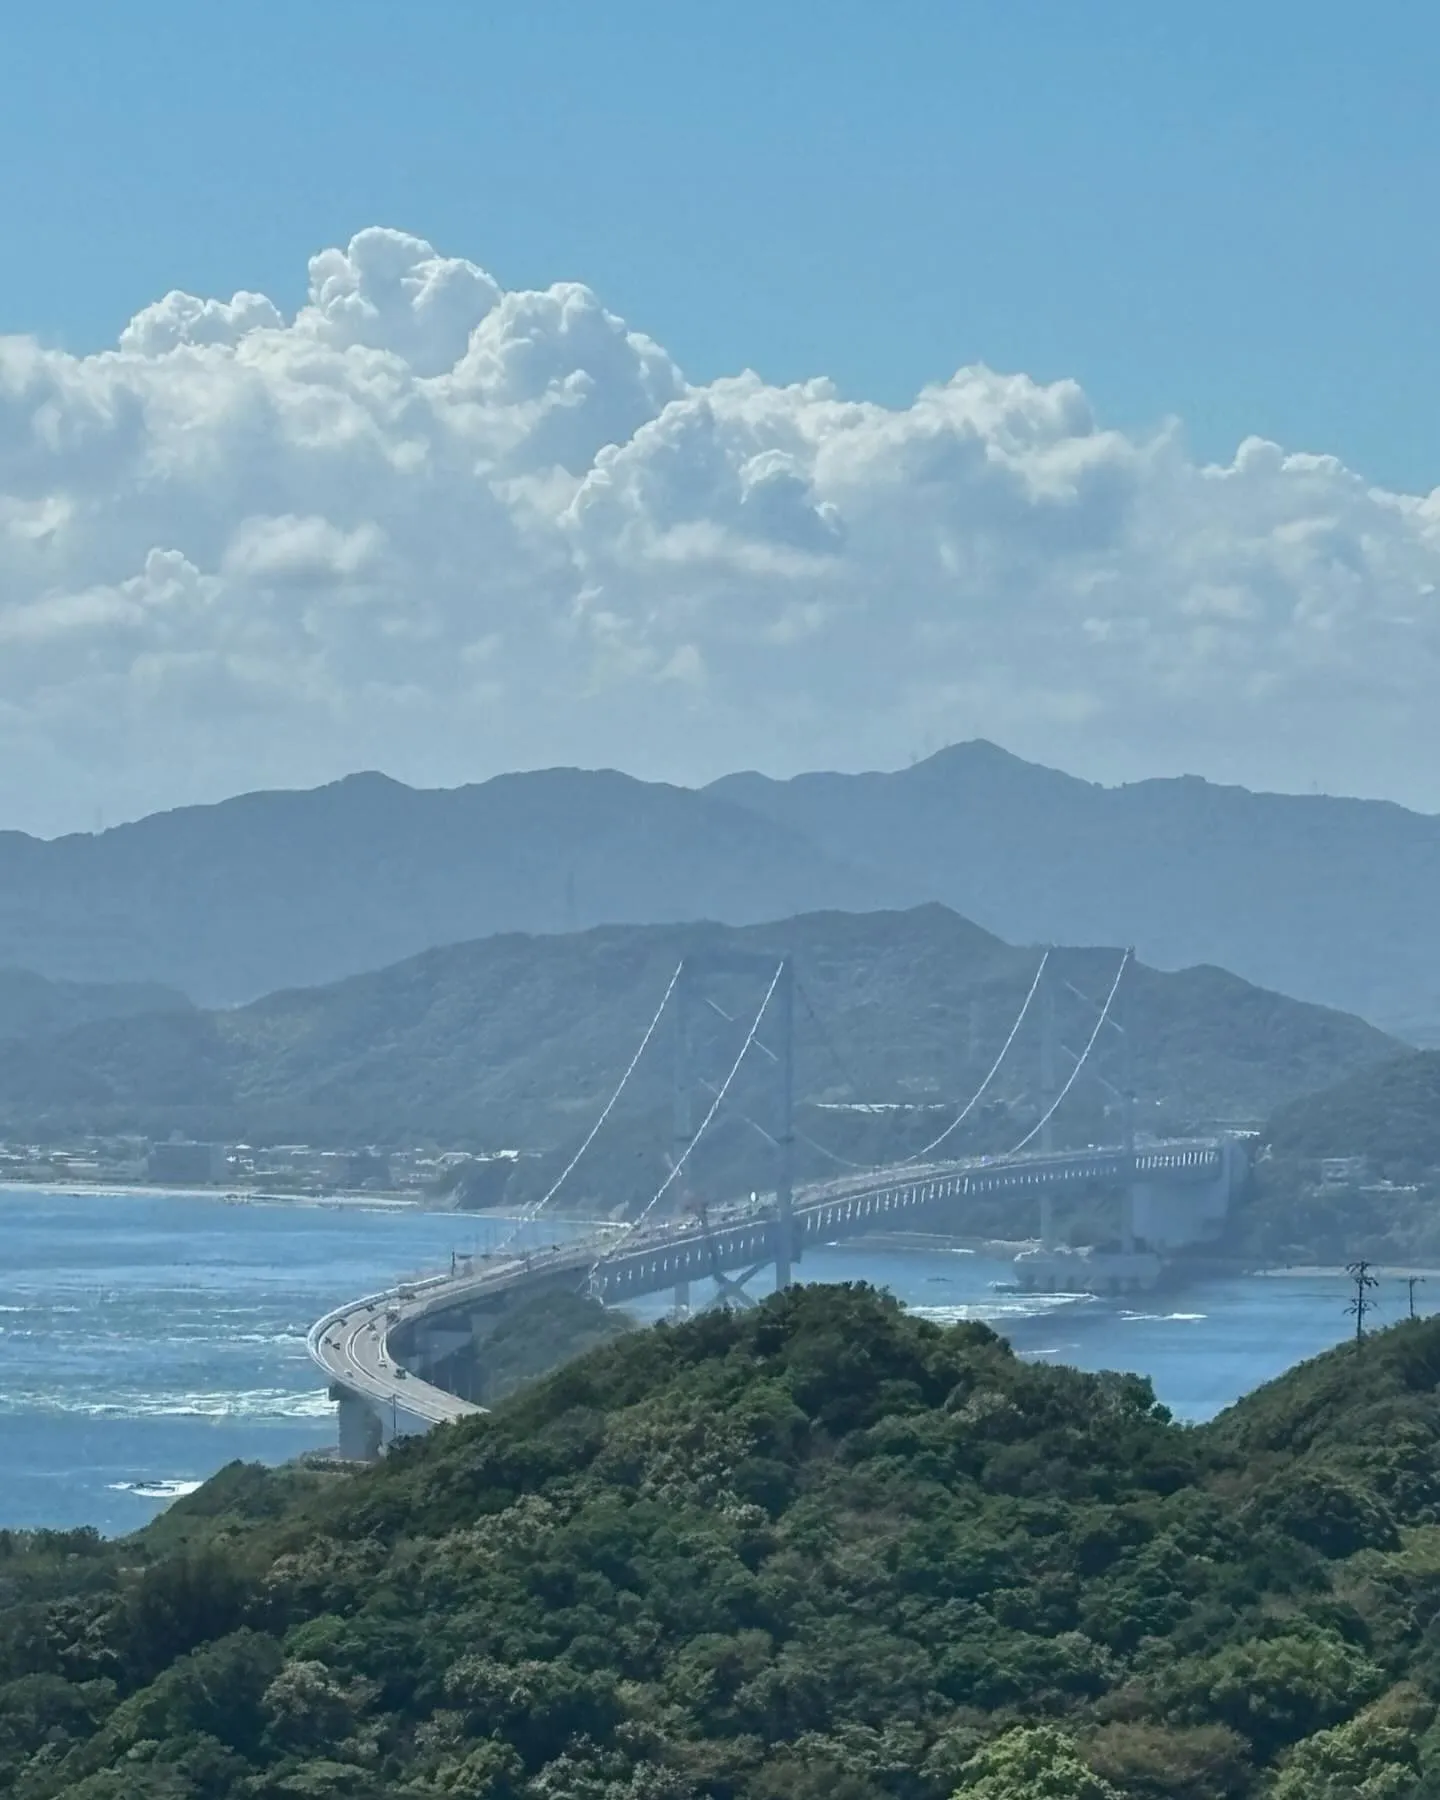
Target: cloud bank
x,y
431,526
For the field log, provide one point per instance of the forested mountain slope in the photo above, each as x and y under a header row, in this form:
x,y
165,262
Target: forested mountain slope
x,y
1380,1199
31,1006
517,1041
821,1548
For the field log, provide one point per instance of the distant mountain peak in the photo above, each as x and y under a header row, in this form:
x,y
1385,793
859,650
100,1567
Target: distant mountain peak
x,y
371,778
980,755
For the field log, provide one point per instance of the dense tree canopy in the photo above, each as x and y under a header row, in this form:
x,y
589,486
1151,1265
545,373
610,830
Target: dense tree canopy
x,y
820,1549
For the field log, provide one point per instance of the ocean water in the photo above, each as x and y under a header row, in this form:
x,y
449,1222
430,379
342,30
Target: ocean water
x,y
1203,1345
146,1340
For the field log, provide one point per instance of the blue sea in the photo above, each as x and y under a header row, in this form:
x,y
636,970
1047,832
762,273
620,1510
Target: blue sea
x,y
146,1340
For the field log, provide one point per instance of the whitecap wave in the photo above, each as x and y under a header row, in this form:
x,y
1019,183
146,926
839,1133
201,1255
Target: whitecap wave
x,y
156,1490
1144,1318
256,1403
994,1312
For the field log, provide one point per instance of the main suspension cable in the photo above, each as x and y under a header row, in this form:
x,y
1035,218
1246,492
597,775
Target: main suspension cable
x,y
538,1206
959,1119
980,1092
1054,1105
684,1156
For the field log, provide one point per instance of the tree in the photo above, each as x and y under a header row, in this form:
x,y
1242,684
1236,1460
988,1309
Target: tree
x,y
1032,1763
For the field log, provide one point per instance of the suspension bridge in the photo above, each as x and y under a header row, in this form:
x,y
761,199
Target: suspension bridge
x,y
404,1360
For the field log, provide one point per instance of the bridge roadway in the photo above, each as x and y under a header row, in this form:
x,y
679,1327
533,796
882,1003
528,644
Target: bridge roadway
x,y
353,1344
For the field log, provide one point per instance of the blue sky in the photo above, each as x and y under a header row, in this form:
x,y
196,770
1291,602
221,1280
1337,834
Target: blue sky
x,y
476,484
1224,213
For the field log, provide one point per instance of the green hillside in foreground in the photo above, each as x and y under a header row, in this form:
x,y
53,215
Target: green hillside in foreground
x,y
818,1549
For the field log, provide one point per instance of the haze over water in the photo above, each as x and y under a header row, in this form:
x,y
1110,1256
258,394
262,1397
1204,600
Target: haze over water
x,y
147,1340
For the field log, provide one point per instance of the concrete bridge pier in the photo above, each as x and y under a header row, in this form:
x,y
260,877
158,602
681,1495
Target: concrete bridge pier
x,y
1047,1219
361,1433
681,1307
1166,1216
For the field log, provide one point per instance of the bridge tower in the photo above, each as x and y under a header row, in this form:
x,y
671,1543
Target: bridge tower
x,y
682,1123
1049,1037
1130,1201
775,1045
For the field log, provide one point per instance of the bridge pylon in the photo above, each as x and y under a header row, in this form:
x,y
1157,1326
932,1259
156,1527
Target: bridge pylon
x,y
778,1057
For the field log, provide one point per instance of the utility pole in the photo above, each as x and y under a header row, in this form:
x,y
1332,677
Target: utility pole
x,y
1363,1281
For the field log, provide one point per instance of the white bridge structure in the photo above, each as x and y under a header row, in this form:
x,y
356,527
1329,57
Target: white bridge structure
x,y
404,1360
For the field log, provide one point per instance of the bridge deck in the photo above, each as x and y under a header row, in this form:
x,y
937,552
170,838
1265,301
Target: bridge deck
x,y
352,1344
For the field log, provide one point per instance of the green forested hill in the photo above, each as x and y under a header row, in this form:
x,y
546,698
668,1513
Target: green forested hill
x,y
1385,1120
1389,1113
820,1549
517,1041
31,1006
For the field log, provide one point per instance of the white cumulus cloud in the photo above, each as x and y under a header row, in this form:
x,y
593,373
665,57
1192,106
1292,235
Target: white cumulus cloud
x,y
431,526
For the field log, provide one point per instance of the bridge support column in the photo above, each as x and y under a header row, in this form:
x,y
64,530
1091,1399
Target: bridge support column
x,y
360,1428
1130,1205
1047,1220
682,1299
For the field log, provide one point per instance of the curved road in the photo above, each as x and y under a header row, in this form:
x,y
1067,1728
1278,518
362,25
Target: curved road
x,y
352,1344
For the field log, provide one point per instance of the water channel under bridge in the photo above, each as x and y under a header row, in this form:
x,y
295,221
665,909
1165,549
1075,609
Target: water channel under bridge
x,y
402,1361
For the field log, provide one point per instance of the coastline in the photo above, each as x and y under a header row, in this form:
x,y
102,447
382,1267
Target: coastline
x,y
369,1201
143,1190
1339,1271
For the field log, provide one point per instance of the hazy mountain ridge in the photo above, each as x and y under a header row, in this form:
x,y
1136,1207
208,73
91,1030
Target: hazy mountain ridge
x,y
1329,899
1325,899
31,1006
519,1039
271,890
